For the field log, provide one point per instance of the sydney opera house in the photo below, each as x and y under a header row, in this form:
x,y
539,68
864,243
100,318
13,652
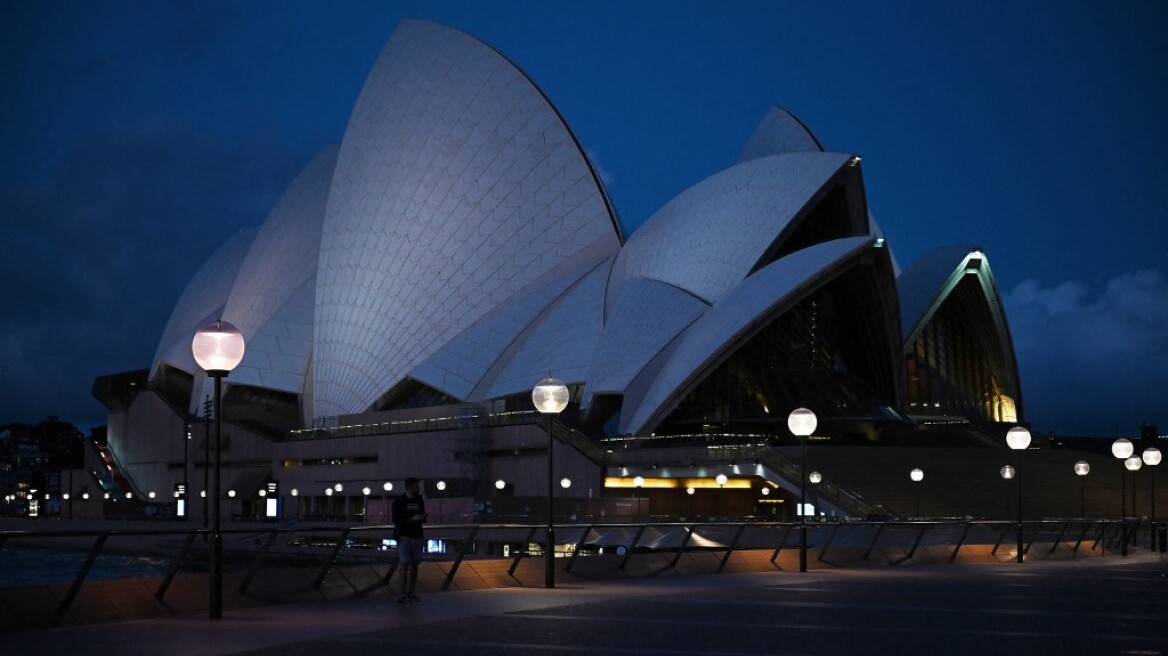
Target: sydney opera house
x,y
413,283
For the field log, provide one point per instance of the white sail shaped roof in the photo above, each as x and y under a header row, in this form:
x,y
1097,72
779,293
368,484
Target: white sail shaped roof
x,y
646,316
779,132
456,186
735,319
272,300
562,340
202,301
708,238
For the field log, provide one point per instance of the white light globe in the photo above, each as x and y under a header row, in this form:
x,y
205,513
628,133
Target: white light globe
x,y
387,487
1082,468
550,395
565,482
218,346
295,492
721,479
1133,463
802,422
1151,456
441,485
1122,448
815,477
1007,472
917,474
639,481
689,491
500,484
1018,438
365,491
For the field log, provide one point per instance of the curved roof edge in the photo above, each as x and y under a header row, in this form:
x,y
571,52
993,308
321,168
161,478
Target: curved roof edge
x,y
203,299
927,283
616,223
778,132
737,318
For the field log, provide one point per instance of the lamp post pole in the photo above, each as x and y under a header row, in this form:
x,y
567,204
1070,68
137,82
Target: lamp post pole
x,y
1151,457
917,475
1122,449
816,478
550,397
206,456
1018,439
218,348
1133,464
802,422
1082,468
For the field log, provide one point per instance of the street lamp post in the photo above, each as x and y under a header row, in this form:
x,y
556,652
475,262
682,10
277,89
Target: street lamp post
x,y
1133,465
816,478
550,397
1018,439
721,481
1122,449
1082,468
1151,458
638,483
917,475
802,422
218,348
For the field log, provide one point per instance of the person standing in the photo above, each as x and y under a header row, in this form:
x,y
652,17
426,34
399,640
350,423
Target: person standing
x,y
409,515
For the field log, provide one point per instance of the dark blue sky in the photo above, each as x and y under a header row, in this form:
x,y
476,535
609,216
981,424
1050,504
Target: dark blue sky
x,y
135,137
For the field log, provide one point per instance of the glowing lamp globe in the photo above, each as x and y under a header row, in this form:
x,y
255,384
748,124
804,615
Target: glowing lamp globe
x,y
1082,468
917,475
1133,463
387,487
802,422
550,396
366,491
639,481
1122,448
1007,472
1151,456
721,479
815,477
565,482
218,347
1018,438
441,485
500,484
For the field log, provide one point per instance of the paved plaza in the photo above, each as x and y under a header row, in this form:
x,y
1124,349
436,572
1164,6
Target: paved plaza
x,y
1088,606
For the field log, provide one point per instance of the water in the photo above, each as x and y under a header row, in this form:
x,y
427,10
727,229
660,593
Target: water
x,y
21,567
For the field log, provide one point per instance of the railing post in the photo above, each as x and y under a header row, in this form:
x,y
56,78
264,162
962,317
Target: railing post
x,y
182,554
458,561
259,560
332,559
94,552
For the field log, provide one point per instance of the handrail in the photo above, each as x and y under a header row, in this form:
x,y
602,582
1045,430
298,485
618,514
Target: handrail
x,y
650,537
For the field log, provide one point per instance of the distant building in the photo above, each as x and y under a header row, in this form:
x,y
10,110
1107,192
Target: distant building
x,y
414,283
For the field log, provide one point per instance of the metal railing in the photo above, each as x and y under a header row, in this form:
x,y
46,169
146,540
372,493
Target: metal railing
x,y
333,545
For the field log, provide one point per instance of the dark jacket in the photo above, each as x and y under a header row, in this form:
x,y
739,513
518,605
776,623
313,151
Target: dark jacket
x,y
403,509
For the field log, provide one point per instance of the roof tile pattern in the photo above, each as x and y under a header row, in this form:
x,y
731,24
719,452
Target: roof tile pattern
x,y
272,300
644,319
710,236
457,185
202,301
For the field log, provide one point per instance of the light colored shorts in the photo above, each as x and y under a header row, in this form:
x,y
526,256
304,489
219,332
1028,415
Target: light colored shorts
x,y
409,550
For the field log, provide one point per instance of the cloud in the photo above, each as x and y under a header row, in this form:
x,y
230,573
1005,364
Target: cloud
x,y
1093,365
